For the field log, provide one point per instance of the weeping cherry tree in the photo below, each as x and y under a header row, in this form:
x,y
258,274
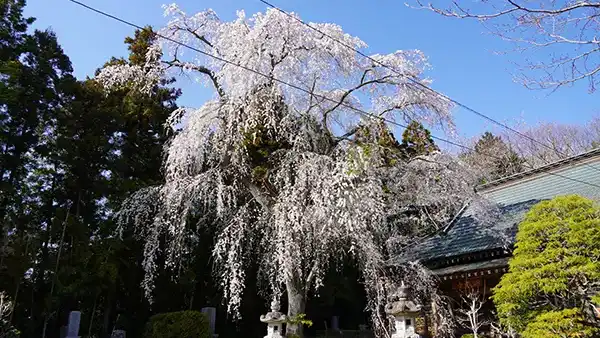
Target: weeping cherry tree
x,y
292,180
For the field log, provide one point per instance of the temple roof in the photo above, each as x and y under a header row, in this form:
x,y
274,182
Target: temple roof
x,y
514,195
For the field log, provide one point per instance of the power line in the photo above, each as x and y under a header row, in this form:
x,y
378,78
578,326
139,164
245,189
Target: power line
x,y
456,102
360,111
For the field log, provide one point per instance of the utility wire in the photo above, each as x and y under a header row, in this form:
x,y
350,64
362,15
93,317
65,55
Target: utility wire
x,y
418,83
360,111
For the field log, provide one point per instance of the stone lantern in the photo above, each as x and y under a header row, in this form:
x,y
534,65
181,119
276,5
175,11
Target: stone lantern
x,y
274,321
404,311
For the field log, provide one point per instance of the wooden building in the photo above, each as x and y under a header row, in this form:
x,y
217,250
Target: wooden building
x,y
468,254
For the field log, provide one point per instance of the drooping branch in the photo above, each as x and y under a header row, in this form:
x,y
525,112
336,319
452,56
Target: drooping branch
x,y
264,159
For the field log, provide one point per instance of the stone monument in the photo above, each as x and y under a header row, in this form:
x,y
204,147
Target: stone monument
x,y
404,311
274,321
73,325
335,323
211,315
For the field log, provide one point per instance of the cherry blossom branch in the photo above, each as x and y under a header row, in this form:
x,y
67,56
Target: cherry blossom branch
x,y
201,69
201,38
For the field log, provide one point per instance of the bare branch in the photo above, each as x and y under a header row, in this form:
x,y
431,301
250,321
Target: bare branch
x,y
548,25
565,9
362,84
462,13
470,314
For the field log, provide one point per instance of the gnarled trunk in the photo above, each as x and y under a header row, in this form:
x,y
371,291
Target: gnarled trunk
x,y
296,305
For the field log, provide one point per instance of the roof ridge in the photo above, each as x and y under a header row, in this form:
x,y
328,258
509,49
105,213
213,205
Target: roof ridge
x,y
544,168
455,218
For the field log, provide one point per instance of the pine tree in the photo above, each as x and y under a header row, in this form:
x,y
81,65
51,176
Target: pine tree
x,y
417,141
554,275
69,154
36,78
493,158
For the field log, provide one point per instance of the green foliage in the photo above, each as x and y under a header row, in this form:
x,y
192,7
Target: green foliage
x,y
259,141
138,45
468,335
567,323
417,141
552,274
70,155
182,324
260,145
300,320
9,331
500,159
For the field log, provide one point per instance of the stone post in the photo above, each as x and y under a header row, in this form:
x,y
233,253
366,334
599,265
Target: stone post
x,y
211,314
274,321
404,311
73,325
335,323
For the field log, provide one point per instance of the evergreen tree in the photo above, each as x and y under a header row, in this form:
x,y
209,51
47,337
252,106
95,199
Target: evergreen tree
x,y
553,281
35,82
69,154
494,158
417,141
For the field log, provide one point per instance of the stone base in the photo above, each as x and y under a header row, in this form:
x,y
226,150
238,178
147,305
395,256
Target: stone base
x,y
410,335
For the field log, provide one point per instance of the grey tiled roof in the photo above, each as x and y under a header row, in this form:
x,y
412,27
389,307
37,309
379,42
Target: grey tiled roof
x,y
515,196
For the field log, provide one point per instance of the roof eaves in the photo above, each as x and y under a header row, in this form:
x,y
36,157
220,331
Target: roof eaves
x,y
474,266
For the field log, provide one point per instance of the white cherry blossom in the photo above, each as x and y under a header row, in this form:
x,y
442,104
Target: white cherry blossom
x,y
280,174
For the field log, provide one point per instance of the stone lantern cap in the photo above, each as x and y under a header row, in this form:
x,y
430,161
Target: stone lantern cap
x,y
399,303
274,316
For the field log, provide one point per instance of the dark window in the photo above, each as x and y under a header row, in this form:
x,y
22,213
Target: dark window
x,y
408,322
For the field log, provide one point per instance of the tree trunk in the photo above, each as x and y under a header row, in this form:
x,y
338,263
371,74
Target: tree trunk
x,y
296,305
108,306
17,287
55,276
91,324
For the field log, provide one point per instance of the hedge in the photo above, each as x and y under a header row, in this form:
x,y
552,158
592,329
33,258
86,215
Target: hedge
x,y
182,324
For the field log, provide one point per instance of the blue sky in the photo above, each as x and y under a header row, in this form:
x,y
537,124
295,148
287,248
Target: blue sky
x,y
465,66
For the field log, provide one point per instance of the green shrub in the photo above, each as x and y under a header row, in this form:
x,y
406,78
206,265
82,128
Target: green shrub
x,y
467,335
547,292
182,324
